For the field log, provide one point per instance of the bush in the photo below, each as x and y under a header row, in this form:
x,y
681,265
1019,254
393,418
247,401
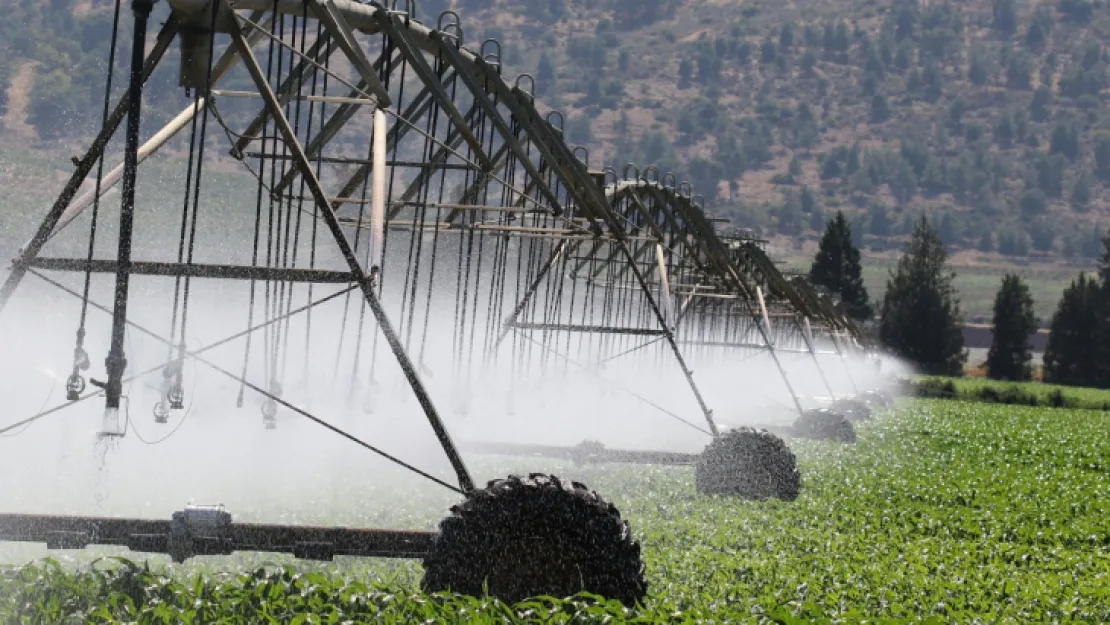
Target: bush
x,y
1011,394
989,394
1056,399
933,388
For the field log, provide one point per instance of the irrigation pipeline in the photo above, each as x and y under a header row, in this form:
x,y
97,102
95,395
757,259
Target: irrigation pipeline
x,y
466,193
209,530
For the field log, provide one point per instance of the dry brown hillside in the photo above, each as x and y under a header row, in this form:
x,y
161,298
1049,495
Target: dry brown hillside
x,y
987,115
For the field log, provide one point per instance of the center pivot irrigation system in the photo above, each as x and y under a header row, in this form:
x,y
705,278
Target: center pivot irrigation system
x,y
395,164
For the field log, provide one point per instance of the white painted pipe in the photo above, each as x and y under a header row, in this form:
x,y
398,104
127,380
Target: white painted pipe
x,y
112,177
763,309
668,305
689,302
377,192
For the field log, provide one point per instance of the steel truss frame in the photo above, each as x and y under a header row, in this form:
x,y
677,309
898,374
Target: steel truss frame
x,y
650,238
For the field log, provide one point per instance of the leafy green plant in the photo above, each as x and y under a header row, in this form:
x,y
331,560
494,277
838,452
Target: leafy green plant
x,y
944,511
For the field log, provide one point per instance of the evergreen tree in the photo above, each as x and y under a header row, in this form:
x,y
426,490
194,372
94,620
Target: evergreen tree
x,y
880,109
5,79
1081,191
1019,71
920,314
837,268
1005,17
979,66
1102,156
1010,352
795,168
1042,233
1039,107
685,72
1102,313
1071,357
786,37
808,62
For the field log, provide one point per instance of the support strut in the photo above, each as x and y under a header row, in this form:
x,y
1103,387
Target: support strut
x,y
209,530
116,361
365,282
807,335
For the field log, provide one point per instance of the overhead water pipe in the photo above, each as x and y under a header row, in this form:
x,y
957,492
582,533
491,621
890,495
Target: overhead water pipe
x,y
377,196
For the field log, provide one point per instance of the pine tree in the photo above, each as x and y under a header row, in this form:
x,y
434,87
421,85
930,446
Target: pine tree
x,y
1081,191
837,268
1005,17
1071,357
880,109
1011,351
1101,307
920,314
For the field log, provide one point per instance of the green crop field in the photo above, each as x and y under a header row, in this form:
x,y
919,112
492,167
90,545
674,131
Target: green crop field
x,y
944,511
997,391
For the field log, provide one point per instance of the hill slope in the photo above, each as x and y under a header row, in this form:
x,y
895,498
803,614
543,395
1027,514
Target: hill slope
x,y
988,115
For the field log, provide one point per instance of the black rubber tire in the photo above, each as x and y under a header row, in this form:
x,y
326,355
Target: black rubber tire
x,y
876,399
854,409
824,424
538,535
749,463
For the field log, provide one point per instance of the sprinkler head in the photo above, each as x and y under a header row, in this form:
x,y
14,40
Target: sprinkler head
x,y
161,413
177,398
75,385
269,414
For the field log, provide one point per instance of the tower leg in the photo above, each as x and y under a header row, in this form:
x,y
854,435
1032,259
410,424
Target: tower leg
x,y
364,281
117,360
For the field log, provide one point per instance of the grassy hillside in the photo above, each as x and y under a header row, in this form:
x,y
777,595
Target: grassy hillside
x,y
987,115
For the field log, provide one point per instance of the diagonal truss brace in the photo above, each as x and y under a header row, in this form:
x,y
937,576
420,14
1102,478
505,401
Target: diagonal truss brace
x,y
364,281
84,166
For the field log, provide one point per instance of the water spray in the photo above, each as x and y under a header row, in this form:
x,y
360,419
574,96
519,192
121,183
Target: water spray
x,y
541,247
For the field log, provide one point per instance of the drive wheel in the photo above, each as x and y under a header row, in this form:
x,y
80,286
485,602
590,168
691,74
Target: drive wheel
x,y
534,536
825,424
750,463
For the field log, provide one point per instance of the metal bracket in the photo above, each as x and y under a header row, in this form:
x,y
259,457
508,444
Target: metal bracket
x,y
199,530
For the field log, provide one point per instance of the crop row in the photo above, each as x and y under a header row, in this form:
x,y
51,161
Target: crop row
x,y
947,510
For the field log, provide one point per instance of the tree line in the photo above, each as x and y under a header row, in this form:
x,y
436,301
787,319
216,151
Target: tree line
x,y
919,316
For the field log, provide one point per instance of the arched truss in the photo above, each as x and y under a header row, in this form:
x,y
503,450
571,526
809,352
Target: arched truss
x,y
384,140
